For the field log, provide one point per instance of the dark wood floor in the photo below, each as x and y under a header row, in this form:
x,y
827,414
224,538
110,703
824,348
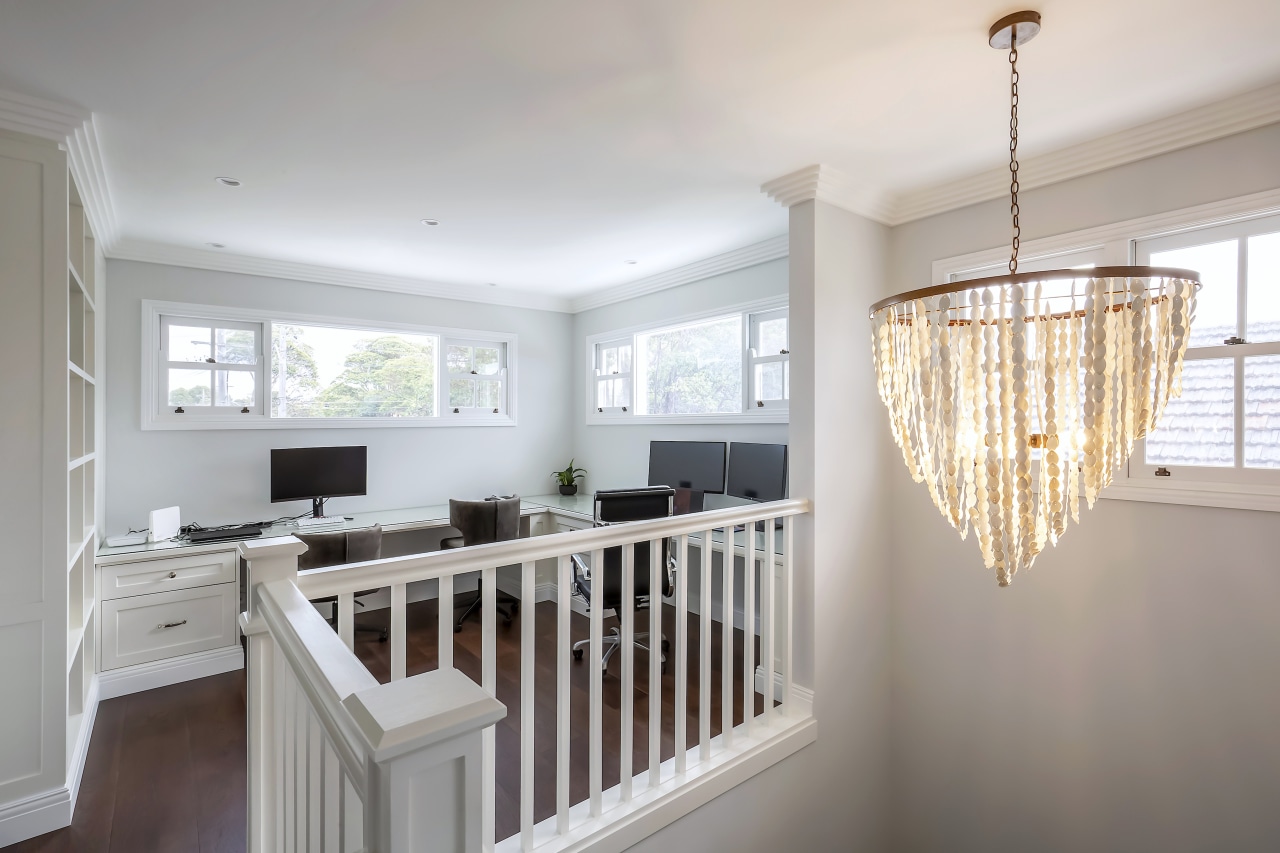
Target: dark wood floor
x,y
165,772
166,767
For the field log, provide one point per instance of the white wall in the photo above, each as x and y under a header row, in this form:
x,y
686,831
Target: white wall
x,y
220,476
1124,694
617,456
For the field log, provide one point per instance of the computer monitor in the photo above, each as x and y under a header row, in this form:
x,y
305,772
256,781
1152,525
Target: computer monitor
x,y
693,465
317,473
757,471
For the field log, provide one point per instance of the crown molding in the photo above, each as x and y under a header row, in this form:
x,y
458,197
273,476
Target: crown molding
x,y
1215,120
76,132
181,256
747,256
825,183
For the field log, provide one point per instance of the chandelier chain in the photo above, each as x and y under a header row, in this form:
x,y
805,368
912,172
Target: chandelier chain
x,y
1013,151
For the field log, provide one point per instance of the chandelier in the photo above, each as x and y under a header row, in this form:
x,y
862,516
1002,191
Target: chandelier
x,y
1012,396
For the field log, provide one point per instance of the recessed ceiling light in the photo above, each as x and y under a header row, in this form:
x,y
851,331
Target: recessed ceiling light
x,y
228,182
430,221
216,245
493,284
630,262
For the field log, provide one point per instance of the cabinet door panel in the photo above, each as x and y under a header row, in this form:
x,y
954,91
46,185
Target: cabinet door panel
x,y
145,628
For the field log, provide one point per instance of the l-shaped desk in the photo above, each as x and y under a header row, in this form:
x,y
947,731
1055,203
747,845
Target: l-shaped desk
x,y
168,609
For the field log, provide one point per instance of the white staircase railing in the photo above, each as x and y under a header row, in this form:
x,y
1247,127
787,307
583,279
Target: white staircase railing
x,y
340,762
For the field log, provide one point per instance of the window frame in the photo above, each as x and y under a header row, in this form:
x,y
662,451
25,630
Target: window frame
x,y
601,377
475,411
1118,243
166,411
755,359
153,384
629,414
1237,473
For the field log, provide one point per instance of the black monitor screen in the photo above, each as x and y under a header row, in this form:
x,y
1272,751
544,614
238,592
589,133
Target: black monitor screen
x,y
758,471
303,473
696,465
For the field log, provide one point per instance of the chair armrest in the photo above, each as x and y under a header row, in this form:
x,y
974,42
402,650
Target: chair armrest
x,y
580,566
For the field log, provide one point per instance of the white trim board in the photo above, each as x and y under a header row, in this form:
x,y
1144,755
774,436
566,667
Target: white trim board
x,y
75,130
162,673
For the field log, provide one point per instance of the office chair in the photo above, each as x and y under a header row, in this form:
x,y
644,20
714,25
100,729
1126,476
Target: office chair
x,y
619,506
337,548
493,519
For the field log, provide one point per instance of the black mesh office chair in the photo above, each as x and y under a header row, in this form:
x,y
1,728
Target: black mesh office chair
x,y
337,548
493,519
619,506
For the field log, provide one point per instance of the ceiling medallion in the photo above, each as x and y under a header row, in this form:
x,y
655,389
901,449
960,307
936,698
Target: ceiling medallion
x,y
1012,396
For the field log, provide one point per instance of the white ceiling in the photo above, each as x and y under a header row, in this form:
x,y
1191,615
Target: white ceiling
x,y
557,139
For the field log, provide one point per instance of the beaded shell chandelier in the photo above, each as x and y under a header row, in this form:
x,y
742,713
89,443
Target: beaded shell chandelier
x,y
1012,396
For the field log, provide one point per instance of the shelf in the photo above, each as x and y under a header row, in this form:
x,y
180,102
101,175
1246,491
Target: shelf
x,y
74,637
84,291
76,463
79,371
74,549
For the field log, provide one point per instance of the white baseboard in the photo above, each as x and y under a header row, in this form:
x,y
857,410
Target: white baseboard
x,y
52,810
35,815
161,673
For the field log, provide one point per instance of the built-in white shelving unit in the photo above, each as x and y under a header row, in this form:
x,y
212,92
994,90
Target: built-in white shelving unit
x,y
82,442
51,345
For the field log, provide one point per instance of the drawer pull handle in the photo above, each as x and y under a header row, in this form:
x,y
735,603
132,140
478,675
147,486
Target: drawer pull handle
x,y
171,624
172,575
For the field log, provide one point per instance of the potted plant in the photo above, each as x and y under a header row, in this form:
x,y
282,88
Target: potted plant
x,y
568,478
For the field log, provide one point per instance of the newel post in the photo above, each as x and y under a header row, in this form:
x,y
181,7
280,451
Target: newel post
x,y
266,560
425,773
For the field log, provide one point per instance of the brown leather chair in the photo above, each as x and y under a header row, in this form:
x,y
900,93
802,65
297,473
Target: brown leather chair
x,y
493,519
337,548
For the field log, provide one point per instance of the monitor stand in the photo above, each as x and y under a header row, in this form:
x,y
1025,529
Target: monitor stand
x,y
317,507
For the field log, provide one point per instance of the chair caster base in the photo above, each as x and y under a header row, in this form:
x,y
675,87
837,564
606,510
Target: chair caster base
x,y
577,654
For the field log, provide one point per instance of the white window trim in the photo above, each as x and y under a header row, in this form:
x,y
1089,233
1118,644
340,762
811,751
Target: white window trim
x,y
164,365
749,414
500,377
1118,242
152,419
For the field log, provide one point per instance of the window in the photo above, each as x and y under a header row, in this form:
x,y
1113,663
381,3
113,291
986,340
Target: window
x,y
210,366
770,359
1226,425
213,371
732,365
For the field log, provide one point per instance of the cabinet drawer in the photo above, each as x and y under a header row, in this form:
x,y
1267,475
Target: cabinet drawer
x,y
145,628
147,576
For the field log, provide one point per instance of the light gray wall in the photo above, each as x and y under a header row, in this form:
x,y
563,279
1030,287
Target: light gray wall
x,y
1124,694
220,476
617,456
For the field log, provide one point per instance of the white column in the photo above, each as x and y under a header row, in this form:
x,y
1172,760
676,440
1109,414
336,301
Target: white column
x,y
425,772
267,560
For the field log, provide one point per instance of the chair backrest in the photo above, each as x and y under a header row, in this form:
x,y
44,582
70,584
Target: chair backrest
x,y
490,520
618,506
338,547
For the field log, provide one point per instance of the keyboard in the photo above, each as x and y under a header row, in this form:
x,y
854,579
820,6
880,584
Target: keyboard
x,y
323,521
243,531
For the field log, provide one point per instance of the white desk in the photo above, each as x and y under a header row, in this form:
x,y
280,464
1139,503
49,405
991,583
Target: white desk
x,y
168,609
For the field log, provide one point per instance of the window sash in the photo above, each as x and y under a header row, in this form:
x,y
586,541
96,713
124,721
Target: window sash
x,y
1239,354
755,359
615,377
473,377
164,365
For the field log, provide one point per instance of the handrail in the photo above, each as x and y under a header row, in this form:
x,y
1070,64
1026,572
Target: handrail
x,y
319,583
325,668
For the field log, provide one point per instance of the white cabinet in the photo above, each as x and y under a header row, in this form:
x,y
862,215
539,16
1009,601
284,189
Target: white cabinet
x,y
165,619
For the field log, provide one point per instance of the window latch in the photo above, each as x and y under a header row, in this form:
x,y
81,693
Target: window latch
x,y
759,404
245,410
179,411
624,408
475,373
601,411
495,411
784,352
211,360
1163,472
455,411
1234,341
